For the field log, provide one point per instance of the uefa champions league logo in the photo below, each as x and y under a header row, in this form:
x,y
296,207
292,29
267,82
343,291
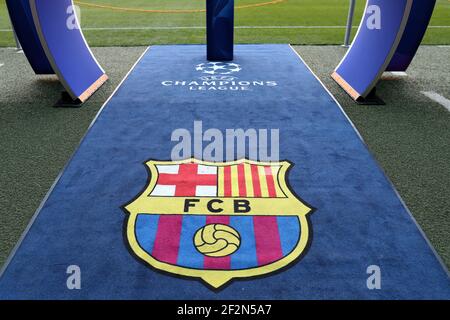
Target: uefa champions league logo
x,y
219,76
222,68
218,70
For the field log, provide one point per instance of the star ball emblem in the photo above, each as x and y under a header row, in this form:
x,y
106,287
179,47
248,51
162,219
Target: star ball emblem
x,y
221,68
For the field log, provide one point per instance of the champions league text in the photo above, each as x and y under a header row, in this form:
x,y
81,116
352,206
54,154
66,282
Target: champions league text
x,y
219,76
219,85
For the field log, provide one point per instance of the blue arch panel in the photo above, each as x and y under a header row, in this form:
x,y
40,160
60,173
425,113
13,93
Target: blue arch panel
x,y
417,25
66,48
22,20
372,48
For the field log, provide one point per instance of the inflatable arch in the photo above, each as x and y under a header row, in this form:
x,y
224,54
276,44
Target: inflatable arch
x,y
54,43
387,40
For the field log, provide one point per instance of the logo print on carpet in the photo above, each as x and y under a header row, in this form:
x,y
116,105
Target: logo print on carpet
x,y
224,68
219,76
218,221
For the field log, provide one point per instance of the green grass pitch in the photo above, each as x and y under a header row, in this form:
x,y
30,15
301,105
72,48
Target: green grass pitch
x,y
107,27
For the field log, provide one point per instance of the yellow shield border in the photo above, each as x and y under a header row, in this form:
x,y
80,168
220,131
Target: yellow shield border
x,y
218,278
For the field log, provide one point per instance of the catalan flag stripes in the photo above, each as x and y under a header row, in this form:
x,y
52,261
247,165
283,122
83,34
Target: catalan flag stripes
x,y
249,180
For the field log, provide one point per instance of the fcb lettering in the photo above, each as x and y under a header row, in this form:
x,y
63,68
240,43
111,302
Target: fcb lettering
x,y
240,206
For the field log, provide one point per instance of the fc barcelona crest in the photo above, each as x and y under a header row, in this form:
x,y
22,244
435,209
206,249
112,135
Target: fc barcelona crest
x,y
218,221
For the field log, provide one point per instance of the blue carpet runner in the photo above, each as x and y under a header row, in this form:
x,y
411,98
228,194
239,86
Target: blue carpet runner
x,y
140,226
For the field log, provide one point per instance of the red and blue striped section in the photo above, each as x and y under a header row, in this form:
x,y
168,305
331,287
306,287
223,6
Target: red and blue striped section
x,y
264,239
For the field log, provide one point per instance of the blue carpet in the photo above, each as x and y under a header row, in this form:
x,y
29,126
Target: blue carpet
x,y
358,219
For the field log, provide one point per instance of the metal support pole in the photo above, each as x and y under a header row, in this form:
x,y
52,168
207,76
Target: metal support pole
x,y
348,31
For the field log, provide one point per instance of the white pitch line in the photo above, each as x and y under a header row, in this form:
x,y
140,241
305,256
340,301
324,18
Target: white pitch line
x,y
200,27
437,98
1,65
203,27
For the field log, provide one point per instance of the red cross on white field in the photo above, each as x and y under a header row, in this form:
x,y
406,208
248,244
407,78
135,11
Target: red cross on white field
x,y
187,180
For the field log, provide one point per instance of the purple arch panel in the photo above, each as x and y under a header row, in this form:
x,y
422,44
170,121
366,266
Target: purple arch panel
x,y
66,48
22,20
418,22
373,48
